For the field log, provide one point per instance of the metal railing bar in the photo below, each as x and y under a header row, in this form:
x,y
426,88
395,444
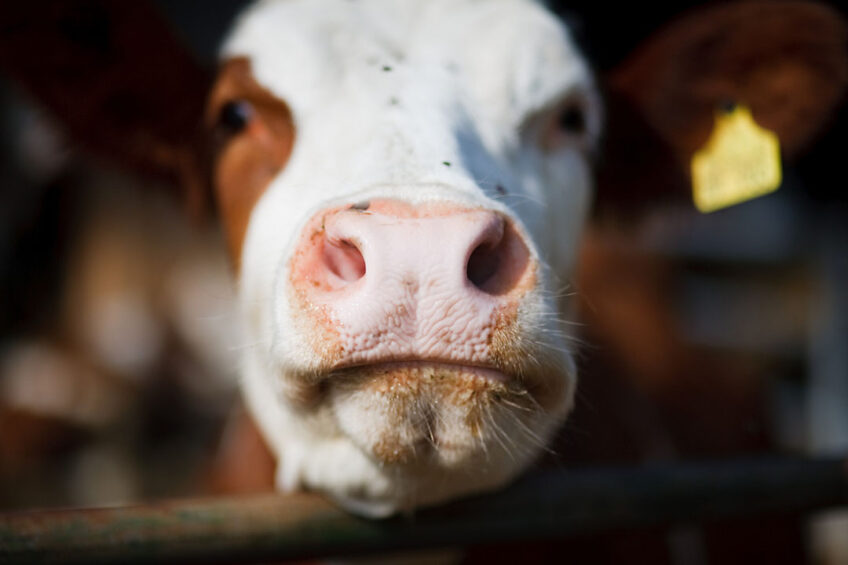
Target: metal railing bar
x,y
543,505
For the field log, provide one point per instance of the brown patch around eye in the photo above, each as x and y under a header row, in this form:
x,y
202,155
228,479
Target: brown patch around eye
x,y
246,158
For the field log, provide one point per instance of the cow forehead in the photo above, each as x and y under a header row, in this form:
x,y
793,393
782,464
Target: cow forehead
x,y
491,63
419,101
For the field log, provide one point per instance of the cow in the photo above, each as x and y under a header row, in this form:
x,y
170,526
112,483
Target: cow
x,y
402,187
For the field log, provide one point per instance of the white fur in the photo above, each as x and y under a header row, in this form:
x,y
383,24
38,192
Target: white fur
x,y
383,93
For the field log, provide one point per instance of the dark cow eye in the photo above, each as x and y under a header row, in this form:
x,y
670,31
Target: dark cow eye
x,y
235,115
568,124
572,120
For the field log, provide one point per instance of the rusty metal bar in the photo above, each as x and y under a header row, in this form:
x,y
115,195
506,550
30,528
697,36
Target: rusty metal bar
x,y
543,505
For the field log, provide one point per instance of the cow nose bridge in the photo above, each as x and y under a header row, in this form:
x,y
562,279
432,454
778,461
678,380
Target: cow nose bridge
x,y
455,250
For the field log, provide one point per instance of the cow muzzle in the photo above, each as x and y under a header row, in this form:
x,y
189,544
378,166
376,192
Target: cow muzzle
x,y
422,321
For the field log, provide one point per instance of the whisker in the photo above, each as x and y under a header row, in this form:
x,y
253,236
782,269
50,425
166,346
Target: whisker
x,y
496,432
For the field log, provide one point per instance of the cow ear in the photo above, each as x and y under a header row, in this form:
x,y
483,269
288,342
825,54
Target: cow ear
x,y
116,78
786,61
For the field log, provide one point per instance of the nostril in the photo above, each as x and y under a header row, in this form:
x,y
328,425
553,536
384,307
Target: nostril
x,y
498,263
343,259
483,264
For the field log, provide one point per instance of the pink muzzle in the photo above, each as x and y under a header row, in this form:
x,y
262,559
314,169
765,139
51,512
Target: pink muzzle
x,y
384,281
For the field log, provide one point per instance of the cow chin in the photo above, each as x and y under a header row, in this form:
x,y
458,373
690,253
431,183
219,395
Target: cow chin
x,y
416,433
421,416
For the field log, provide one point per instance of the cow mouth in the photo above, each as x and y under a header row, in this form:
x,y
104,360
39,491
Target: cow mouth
x,y
484,372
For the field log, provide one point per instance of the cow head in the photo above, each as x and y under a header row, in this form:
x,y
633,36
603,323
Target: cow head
x,y
396,204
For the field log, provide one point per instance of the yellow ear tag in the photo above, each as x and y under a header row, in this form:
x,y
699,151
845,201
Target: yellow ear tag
x,y
740,161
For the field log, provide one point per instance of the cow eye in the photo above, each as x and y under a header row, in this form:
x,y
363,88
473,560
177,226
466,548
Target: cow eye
x,y
568,124
572,120
235,115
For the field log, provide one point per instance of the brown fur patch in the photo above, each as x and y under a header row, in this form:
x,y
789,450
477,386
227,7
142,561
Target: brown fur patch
x,y
246,162
391,451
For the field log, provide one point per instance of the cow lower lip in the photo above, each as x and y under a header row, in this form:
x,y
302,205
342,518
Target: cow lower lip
x,y
487,373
